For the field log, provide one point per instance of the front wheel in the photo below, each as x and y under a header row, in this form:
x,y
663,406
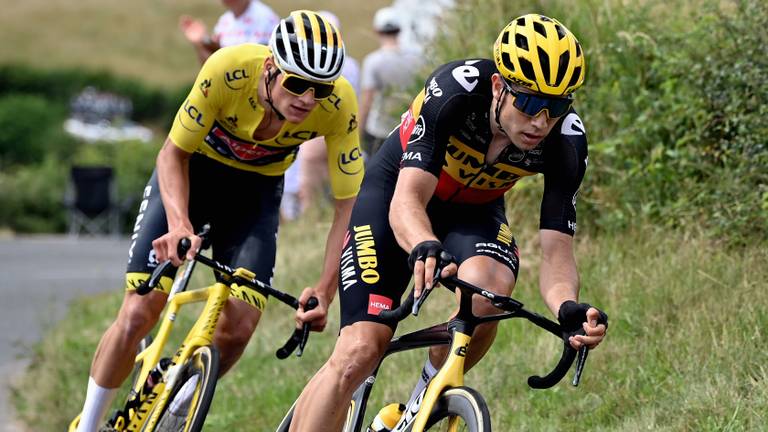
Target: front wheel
x,y
192,393
459,409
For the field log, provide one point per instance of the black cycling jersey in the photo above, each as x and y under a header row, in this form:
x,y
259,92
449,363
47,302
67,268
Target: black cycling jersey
x,y
447,131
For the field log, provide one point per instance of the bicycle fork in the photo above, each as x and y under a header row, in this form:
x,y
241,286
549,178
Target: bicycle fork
x,y
201,334
451,374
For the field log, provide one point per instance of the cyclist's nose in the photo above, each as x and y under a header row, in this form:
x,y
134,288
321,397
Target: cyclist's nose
x,y
308,98
540,119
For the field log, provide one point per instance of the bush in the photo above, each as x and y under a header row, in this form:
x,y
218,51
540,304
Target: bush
x,y
36,153
675,104
31,129
32,197
61,85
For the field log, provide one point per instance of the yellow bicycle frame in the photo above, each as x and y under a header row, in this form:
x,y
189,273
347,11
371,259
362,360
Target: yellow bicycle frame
x,y
451,374
201,334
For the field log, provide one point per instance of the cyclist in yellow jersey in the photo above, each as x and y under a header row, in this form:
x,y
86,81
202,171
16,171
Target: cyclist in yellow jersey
x,y
231,141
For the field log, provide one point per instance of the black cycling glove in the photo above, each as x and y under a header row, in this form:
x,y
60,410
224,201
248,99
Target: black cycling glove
x,y
573,315
430,248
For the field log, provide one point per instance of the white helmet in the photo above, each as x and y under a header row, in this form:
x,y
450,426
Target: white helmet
x,y
308,45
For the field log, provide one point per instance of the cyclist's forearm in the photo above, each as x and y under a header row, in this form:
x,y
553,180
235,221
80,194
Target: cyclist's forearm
x,y
408,211
173,177
558,276
327,284
410,224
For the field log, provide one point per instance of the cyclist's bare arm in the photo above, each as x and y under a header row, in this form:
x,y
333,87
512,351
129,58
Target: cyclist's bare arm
x,y
410,223
559,282
325,288
173,177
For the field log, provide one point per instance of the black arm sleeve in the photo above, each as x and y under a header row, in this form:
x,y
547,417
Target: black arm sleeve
x,y
566,163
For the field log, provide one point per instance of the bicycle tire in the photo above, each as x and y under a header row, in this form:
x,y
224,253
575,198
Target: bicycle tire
x,y
203,365
463,404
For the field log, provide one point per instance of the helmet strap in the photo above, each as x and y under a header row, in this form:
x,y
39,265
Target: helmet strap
x,y
270,77
497,111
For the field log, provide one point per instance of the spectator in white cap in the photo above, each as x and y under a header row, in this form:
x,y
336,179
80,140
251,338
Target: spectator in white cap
x,y
246,21
387,74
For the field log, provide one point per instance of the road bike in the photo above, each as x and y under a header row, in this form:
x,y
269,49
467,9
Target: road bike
x,y
174,394
446,404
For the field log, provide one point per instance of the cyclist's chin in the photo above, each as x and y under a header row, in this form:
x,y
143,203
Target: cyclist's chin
x,y
526,142
296,114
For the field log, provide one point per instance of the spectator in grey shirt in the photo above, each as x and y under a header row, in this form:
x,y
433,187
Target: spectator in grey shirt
x,y
387,74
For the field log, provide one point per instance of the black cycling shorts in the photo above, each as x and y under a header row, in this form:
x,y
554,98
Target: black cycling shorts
x,y
374,273
242,208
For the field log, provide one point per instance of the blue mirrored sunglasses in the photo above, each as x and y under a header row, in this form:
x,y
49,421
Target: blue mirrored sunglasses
x,y
532,104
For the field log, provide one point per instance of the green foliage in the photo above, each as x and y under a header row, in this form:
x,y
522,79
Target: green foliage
x,y
36,152
63,84
675,105
31,129
32,197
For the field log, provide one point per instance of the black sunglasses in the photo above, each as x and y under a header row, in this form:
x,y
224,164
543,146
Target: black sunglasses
x,y
532,104
297,86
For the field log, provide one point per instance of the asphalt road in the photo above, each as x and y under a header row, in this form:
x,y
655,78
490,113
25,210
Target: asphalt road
x,y
39,276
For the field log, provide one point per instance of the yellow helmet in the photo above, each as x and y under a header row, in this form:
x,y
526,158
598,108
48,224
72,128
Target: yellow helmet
x,y
541,54
308,45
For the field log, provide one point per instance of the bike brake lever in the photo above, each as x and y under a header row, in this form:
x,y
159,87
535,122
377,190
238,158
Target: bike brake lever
x,y
581,361
419,301
311,304
426,291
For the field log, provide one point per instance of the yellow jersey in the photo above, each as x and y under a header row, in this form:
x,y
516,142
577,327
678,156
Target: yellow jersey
x,y
222,112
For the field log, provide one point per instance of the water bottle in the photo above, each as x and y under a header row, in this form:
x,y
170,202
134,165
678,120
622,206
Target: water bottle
x,y
387,418
155,376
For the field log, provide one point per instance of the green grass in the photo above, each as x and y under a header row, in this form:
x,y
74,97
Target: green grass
x,y
140,38
685,350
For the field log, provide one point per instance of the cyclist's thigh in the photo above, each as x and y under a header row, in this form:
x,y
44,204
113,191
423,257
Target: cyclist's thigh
x,y
373,272
150,224
477,231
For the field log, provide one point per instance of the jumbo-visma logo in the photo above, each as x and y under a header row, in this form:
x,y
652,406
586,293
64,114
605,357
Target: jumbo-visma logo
x,y
351,163
365,249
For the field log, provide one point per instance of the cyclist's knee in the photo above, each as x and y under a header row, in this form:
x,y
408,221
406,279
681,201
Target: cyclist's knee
x,y
489,274
237,323
358,350
139,314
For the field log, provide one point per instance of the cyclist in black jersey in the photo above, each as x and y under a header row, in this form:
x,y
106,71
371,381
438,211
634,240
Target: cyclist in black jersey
x,y
222,164
438,184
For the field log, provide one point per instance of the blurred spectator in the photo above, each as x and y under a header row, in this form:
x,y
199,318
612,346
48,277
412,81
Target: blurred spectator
x,y
387,74
308,176
103,116
93,106
245,21
420,20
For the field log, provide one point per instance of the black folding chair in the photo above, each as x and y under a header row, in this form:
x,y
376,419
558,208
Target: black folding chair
x,y
91,201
